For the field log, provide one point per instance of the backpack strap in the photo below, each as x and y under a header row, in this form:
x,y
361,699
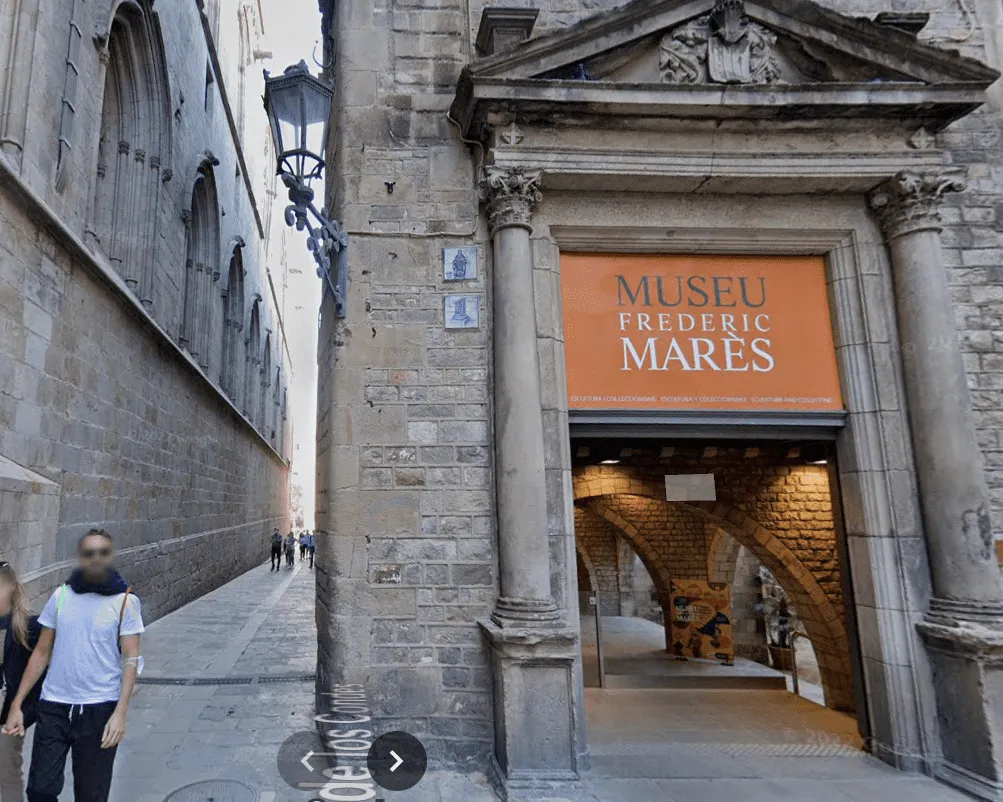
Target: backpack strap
x,y
121,613
121,616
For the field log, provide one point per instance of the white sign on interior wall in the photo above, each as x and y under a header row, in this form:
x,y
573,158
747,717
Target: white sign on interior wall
x,y
690,487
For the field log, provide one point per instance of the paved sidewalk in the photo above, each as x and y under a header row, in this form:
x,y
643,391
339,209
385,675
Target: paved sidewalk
x,y
261,624
251,648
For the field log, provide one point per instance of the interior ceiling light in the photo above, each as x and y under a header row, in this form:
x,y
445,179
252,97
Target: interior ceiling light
x,y
610,462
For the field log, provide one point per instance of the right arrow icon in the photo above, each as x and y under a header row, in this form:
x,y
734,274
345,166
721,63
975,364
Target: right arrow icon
x,y
396,760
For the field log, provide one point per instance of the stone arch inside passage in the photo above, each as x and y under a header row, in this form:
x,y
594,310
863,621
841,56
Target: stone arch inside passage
x,y
821,619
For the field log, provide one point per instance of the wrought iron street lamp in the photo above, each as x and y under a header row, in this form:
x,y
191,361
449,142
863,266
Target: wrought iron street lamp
x,y
298,107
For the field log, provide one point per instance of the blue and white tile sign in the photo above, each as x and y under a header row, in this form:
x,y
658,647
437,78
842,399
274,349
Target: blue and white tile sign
x,y
459,264
463,311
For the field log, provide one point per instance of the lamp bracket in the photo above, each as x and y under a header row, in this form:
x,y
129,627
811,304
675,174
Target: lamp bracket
x,y
325,239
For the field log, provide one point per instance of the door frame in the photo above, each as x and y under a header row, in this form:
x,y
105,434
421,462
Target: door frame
x,y
877,487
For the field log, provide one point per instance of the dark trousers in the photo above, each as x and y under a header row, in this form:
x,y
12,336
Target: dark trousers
x,y
312,551
276,558
60,729
302,552
290,557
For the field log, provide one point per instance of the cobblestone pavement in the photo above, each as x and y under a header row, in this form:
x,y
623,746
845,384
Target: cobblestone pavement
x,y
647,746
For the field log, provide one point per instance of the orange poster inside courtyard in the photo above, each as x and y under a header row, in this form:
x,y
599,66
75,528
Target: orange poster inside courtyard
x,y
698,332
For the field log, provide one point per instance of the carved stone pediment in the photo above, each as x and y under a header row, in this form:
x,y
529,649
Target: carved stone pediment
x,y
727,46
671,58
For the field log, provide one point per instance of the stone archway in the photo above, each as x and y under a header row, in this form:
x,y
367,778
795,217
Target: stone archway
x,y
822,620
651,560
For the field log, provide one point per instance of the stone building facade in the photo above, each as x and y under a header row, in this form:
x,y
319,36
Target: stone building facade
x,y
143,359
836,129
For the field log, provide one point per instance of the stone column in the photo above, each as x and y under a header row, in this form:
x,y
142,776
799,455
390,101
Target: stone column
x,y
954,496
964,626
533,648
523,551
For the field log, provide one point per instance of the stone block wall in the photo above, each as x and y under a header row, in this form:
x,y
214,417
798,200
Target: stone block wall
x,y
599,540
29,513
121,427
405,500
127,432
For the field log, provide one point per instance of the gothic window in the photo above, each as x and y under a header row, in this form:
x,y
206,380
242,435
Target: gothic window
x,y
201,271
282,423
133,148
266,382
252,360
273,414
233,323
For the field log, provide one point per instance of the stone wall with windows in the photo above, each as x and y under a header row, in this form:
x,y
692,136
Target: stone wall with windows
x,y
143,360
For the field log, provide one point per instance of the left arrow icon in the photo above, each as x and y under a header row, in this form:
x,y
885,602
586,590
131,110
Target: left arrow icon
x,y
397,761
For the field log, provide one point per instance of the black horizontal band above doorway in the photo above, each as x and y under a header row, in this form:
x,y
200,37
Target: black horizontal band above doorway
x,y
704,424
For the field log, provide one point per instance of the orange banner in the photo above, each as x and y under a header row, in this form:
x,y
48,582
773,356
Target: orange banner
x,y
698,332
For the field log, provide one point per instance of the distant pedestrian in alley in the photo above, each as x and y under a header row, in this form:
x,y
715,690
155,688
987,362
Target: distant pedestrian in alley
x,y
302,542
90,644
276,550
290,550
19,631
311,546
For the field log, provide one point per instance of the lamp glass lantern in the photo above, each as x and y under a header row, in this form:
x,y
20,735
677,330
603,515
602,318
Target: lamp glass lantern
x,y
298,107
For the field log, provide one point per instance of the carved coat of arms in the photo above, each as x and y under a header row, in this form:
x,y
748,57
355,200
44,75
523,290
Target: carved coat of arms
x,y
723,47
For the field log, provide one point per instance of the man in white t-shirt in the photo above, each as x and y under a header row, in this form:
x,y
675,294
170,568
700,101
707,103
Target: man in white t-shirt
x,y
90,644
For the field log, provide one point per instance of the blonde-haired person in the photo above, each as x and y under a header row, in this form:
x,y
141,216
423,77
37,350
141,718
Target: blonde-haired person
x,y
19,631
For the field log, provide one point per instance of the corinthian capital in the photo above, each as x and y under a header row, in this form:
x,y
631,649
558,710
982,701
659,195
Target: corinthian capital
x,y
510,195
911,201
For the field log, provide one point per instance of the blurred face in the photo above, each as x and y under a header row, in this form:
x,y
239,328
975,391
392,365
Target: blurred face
x,y
95,556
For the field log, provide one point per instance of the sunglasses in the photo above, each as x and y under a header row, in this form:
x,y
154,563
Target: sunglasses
x,y
90,554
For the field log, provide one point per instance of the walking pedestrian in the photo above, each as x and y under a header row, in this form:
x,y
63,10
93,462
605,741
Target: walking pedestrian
x,y
90,644
311,546
290,550
276,550
302,541
19,631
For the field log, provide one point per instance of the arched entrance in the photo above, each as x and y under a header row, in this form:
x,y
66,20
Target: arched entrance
x,y
679,540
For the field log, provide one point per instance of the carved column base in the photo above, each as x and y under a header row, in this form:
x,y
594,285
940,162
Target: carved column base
x,y
536,732
967,661
512,612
